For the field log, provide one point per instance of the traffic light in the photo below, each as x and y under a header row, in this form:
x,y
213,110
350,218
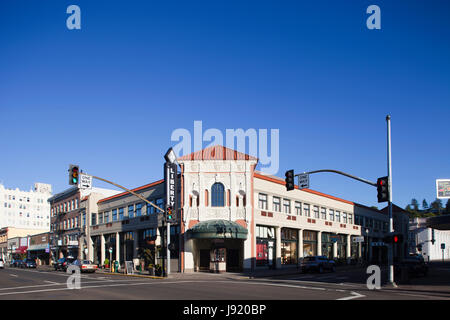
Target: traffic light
x,y
388,239
290,185
169,214
73,174
383,189
395,238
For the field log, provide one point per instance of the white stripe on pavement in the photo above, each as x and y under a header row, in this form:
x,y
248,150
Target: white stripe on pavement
x,y
354,295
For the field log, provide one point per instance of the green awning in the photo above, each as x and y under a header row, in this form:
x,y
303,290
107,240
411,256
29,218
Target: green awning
x,y
217,229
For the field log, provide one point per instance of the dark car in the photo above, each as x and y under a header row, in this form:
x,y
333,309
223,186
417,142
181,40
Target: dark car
x,y
63,263
28,263
318,264
414,265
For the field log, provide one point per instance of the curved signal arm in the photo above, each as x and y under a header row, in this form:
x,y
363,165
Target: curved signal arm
x,y
342,173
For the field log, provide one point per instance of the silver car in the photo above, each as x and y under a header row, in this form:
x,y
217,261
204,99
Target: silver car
x,y
317,263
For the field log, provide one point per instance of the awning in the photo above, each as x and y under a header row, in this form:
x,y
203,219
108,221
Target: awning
x,y
38,247
217,229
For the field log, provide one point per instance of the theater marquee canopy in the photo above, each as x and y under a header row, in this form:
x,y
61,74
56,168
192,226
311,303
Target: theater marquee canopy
x,y
217,229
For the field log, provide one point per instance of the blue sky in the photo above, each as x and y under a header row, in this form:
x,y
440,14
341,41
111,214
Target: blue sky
x,y
108,96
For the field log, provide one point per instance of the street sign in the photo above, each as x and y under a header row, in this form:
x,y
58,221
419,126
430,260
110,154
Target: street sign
x,y
303,181
377,244
443,188
358,239
85,181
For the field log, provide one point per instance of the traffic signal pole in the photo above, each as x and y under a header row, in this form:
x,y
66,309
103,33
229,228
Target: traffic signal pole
x,y
391,221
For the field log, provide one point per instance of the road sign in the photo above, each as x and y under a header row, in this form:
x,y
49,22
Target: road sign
x,y
303,181
85,181
443,188
358,239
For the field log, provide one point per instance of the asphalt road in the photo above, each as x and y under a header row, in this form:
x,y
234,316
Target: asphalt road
x,y
38,284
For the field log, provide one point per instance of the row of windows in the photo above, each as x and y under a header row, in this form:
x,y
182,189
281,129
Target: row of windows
x,y
25,199
119,214
67,224
304,209
371,223
65,207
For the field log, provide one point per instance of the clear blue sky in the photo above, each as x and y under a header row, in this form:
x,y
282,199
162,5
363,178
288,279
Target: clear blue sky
x,y
100,96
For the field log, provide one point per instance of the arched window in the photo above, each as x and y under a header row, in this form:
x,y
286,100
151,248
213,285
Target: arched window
x,y
217,195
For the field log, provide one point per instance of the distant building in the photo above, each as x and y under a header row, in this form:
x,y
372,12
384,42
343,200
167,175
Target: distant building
x,y
420,241
26,209
10,239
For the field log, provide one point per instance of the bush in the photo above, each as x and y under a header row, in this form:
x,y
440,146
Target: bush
x,y
106,263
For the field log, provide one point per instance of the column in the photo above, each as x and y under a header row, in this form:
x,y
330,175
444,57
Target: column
x,y
335,249
117,247
300,244
102,249
90,249
135,244
278,247
349,247
319,243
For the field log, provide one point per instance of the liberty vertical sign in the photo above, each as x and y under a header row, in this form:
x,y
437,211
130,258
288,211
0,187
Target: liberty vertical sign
x,y
171,177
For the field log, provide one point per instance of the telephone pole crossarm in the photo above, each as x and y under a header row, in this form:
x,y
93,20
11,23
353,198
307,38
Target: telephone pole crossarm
x,y
342,173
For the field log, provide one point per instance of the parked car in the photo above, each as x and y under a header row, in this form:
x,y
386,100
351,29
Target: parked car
x,y
85,265
2,264
62,263
28,263
14,263
415,266
317,263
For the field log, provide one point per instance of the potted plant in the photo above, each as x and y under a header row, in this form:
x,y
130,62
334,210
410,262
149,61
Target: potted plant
x,y
106,264
158,270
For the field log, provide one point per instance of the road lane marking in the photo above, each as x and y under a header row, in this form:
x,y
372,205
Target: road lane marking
x,y
13,275
52,282
354,295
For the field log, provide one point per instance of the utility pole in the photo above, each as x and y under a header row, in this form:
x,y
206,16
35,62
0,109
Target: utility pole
x,y
391,222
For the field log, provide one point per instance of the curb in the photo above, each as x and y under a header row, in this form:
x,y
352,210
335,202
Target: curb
x,y
131,275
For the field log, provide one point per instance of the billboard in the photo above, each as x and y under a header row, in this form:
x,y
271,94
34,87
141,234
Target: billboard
x,y
443,188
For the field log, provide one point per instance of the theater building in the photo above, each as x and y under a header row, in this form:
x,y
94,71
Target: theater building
x,y
233,218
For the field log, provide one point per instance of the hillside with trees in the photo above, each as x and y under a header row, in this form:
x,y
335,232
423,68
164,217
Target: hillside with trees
x,y
435,208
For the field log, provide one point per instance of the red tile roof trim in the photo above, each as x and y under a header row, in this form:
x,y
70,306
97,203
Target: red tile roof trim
x,y
216,152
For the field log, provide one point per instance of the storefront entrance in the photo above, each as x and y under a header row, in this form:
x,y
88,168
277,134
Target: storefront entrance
x,y
218,246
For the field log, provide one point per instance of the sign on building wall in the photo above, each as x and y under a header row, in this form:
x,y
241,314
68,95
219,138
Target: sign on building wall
x,y
443,188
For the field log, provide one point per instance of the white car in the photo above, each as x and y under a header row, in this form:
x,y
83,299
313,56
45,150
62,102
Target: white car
x,y
2,264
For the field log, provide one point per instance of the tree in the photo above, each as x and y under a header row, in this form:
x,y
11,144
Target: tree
x,y
415,204
436,206
425,206
447,207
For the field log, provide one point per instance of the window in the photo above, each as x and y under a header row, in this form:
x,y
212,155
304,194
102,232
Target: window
x,y
344,217
217,195
316,212
150,208
94,219
106,218
298,208
120,213
138,209
276,205
331,212
350,218
83,221
306,210
338,216
114,215
287,206
323,212
100,218
262,201
160,203
130,211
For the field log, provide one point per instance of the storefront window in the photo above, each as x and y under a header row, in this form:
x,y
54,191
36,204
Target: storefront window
x,y
309,243
327,245
265,246
289,246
